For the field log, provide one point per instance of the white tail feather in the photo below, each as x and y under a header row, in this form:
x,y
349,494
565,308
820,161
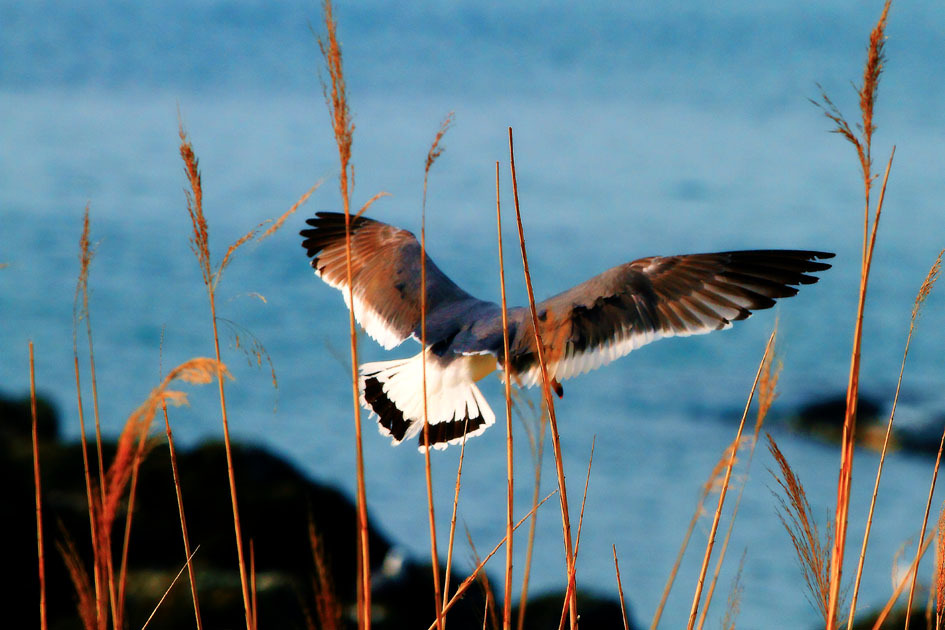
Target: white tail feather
x,y
393,391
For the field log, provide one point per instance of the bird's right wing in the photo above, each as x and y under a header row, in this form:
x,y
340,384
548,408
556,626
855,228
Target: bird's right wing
x,y
633,304
385,274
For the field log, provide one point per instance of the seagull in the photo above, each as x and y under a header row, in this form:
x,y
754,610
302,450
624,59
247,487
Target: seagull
x,y
583,328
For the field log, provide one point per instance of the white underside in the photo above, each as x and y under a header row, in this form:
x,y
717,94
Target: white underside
x,y
451,390
370,320
625,342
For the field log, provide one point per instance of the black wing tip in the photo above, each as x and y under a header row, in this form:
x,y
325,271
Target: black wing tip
x,y
326,227
440,434
390,419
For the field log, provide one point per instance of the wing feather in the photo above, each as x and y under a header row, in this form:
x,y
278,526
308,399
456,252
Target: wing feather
x,y
385,271
634,304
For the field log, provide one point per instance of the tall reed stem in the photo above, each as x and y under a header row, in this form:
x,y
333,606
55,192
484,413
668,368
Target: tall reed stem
x,y
546,390
343,129
920,298
41,556
867,94
183,520
435,563
849,424
725,483
510,488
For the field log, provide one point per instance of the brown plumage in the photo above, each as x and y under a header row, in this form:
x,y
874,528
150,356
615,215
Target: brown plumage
x,y
582,328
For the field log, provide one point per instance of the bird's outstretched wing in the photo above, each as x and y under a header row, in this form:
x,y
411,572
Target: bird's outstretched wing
x,y
633,304
385,272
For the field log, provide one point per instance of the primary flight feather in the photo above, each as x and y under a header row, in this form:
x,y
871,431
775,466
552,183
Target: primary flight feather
x,y
582,328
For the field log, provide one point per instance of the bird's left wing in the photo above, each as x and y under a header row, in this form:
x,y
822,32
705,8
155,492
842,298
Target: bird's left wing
x,y
633,304
385,274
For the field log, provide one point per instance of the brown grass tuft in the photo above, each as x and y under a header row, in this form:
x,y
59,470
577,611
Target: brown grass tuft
x,y
813,552
327,606
200,237
435,149
86,598
198,371
336,98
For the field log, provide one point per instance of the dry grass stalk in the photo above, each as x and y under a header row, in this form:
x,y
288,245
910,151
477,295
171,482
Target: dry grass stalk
x,y
175,473
710,484
86,599
767,392
168,590
90,500
327,606
734,598
484,584
939,581
252,580
925,521
337,101
623,607
546,392
435,152
41,556
863,145
537,448
464,585
80,312
449,548
923,293
129,513
813,554
130,452
370,202
197,371
201,246
254,351
881,617
510,477
577,540
288,213
724,488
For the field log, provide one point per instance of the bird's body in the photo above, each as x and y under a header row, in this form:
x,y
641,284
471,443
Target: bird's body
x,y
582,328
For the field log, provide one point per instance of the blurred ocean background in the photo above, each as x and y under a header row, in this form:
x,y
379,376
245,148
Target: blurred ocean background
x,y
640,129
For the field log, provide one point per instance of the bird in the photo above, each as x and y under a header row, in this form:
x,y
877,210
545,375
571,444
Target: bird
x,y
582,328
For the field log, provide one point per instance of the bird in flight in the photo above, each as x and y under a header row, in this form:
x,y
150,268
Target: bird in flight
x,y
583,328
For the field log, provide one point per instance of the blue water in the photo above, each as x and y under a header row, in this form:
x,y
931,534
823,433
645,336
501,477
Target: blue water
x,y
639,130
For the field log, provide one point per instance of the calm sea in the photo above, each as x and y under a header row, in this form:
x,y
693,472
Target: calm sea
x,y
640,129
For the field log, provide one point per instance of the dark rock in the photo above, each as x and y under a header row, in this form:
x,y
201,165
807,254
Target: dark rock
x,y
824,419
276,504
